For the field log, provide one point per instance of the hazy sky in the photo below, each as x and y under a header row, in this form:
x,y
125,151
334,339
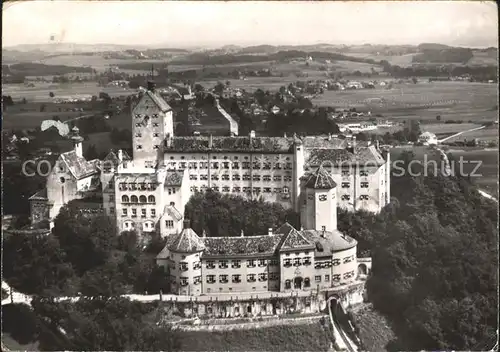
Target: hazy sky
x,y
471,23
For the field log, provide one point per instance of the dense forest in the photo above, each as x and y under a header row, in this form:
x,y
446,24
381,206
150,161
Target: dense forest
x,y
435,263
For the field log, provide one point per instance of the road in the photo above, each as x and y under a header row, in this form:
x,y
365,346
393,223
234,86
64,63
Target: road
x,y
459,133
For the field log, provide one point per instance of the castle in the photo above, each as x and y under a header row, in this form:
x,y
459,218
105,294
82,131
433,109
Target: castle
x,y
148,191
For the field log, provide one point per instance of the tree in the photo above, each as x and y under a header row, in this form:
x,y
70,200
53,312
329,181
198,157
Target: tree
x,y
51,94
414,80
91,153
438,117
219,88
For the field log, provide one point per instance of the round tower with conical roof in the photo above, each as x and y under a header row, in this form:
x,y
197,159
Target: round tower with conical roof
x,y
320,209
185,262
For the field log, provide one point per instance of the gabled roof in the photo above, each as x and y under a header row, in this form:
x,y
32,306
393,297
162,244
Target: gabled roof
x,y
187,242
329,241
369,156
320,180
159,101
78,166
40,195
292,238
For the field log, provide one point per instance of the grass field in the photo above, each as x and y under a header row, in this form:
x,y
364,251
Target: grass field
x,y
306,337
452,100
437,128
40,93
487,134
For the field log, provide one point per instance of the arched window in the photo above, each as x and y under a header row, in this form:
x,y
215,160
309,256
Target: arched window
x,y
125,199
307,282
288,284
151,199
134,199
142,199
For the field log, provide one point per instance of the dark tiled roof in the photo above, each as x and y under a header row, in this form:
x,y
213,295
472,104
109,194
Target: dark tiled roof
x,y
173,178
40,195
186,242
232,144
78,166
291,238
370,156
324,142
329,241
320,180
330,156
241,246
159,101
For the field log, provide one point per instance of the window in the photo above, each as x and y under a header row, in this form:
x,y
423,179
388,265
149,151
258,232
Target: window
x,y
322,197
345,197
251,278
363,173
225,177
210,279
225,165
287,263
151,199
184,281
143,213
288,284
134,199
335,262
364,184
142,199
327,278
172,204
236,264
287,178
183,266
363,197
139,147
225,189
266,178
274,262
204,177
236,177
124,212
317,278
277,190
155,125
192,166
348,275
236,278
236,189
267,189
134,213
246,177
197,265
250,263
169,224
125,199
285,190
262,277
296,262
267,166
215,189
347,260
153,213
214,177
277,178
194,189
262,262
323,228
256,177
345,172
156,146
215,165
256,166
222,264
246,165
307,282
223,279
288,166
236,165
210,264
307,261
156,134
123,186
346,185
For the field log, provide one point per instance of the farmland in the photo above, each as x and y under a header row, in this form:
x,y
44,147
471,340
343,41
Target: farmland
x,y
424,101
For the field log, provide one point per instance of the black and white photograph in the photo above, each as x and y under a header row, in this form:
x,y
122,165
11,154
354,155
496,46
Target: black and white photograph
x,y
250,176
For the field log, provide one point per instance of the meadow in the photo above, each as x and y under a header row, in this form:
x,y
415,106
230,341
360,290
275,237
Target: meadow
x,y
424,101
40,93
305,337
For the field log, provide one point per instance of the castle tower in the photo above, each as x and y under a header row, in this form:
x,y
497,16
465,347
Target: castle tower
x,y
152,123
185,251
320,209
77,141
298,170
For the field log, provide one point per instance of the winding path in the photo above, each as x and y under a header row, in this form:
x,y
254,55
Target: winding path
x,y
459,133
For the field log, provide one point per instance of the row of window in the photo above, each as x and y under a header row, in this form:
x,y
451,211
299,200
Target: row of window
x,y
138,186
348,197
255,190
245,165
143,212
363,184
155,134
296,261
224,279
139,116
236,263
140,199
184,266
227,158
237,177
